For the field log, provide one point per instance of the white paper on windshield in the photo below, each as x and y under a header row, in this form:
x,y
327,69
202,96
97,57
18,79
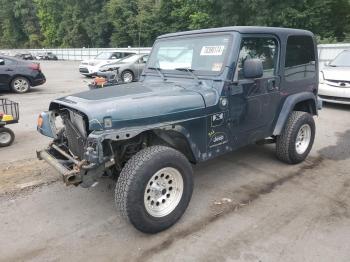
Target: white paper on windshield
x,y
215,50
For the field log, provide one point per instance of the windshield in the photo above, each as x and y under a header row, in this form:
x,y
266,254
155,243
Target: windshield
x,y
343,59
206,54
104,55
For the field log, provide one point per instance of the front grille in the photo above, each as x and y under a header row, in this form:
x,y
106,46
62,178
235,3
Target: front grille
x,y
76,141
83,70
334,98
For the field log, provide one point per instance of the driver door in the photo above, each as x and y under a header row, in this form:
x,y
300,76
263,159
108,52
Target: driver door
x,y
254,102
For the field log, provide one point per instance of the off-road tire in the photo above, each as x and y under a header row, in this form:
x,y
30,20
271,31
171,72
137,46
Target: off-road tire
x,y
135,177
286,142
15,85
10,133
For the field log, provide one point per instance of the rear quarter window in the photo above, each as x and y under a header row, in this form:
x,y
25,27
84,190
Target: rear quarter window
x,y
300,61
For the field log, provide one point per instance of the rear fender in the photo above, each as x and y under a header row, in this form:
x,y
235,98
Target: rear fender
x,y
305,101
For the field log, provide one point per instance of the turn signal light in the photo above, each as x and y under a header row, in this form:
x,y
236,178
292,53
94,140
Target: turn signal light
x,y
40,121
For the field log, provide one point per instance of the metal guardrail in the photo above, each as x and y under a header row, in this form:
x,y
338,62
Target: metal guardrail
x,y
74,54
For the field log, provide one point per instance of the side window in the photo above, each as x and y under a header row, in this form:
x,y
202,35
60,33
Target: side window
x,y
116,55
127,54
263,48
300,58
5,61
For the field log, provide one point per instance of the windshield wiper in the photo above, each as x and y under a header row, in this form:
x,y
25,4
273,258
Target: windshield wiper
x,y
190,71
159,70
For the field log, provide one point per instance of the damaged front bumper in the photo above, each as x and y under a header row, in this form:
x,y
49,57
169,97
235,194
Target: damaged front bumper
x,y
73,171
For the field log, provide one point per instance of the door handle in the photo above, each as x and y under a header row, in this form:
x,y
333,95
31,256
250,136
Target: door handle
x,y
9,69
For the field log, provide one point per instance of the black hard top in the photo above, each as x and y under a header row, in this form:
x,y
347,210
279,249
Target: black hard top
x,y
244,30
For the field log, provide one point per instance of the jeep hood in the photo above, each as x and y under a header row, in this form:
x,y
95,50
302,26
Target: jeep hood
x,y
337,73
135,104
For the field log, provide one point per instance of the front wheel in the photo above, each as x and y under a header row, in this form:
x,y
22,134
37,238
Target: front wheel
x,y
154,188
127,76
6,137
295,142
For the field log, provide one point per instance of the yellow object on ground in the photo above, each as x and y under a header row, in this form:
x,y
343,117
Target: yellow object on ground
x,y
6,118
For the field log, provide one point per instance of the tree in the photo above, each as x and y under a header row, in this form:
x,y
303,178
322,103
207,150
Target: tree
x,y
11,31
122,23
49,13
25,15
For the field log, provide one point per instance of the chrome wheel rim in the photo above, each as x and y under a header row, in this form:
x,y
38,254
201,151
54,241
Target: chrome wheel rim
x,y
21,85
163,192
303,139
5,137
127,77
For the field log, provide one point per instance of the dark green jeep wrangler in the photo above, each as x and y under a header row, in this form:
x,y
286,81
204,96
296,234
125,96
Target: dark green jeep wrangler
x,y
202,94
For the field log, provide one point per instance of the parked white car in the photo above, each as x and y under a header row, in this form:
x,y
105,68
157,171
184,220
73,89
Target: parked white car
x,y
334,84
90,67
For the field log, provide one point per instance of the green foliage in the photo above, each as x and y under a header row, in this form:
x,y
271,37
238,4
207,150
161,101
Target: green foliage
x,y
122,23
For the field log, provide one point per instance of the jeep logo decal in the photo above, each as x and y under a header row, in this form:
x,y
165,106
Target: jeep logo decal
x,y
218,139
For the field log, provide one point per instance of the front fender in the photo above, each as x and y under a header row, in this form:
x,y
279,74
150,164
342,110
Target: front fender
x,y
46,124
193,130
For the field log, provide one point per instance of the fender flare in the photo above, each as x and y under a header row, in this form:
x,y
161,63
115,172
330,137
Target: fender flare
x,y
289,105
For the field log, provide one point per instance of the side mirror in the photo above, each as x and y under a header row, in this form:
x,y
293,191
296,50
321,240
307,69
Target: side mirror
x,y
253,68
2,62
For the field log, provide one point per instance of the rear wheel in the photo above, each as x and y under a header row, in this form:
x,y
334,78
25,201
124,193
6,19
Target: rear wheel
x,y
154,188
295,142
6,137
20,85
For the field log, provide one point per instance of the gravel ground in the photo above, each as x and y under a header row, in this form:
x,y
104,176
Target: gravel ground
x,y
246,206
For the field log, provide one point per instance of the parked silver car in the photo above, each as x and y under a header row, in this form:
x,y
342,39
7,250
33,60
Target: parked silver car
x,y
129,68
90,67
334,84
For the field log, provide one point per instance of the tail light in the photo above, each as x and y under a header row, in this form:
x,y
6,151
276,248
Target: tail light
x,y
35,66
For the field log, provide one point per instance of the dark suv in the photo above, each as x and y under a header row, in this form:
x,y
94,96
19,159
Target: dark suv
x,y
202,94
